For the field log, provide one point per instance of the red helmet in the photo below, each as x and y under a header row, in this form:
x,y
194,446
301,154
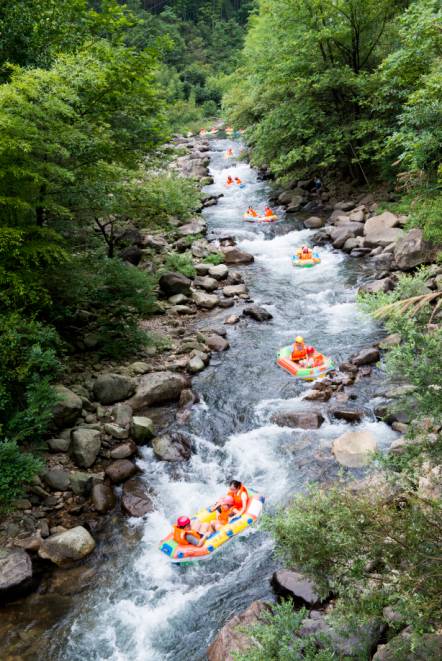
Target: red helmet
x,y
228,500
182,521
310,350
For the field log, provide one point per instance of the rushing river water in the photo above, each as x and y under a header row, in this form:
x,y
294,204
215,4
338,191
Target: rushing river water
x,y
148,609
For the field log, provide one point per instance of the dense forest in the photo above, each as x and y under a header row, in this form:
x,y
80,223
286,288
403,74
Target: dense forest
x,y
91,93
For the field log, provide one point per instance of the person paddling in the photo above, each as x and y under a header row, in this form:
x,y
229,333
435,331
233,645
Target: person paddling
x,y
229,181
251,212
299,350
185,535
268,212
238,181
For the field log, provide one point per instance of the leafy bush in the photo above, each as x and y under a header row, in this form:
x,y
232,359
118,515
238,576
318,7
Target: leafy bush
x,y
214,258
181,263
17,469
106,299
29,355
370,550
274,639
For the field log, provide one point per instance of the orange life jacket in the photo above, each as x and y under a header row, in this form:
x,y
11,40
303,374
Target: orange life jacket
x,y
306,255
268,212
179,535
237,500
223,516
299,354
253,213
238,180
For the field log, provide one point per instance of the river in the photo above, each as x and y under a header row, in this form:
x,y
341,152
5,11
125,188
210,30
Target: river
x,y
145,609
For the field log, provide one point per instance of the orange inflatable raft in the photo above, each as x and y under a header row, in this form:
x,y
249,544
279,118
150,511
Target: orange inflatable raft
x,y
317,366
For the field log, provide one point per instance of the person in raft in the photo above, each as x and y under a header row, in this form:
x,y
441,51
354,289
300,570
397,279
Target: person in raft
x,y
224,513
299,350
268,212
251,212
229,181
240,496
238,181
185,535
305,253
229,152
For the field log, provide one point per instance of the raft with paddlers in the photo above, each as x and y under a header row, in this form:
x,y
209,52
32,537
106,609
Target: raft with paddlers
x,y
184,553
234,180
313,366
251,216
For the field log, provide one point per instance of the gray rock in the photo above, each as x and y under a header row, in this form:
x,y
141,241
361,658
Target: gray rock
x,y
301,419
136,500
375,286
66,547
68,407
206,282
427,647
232,638
234,290
195,365
120,470
257,313
341,233
233,255
232,319
382,230
15,573
353,243
110,388
103,498
173,447
59,444
56,479
174,283
412,250
349,415
219,271
293,585
124,450
81,483
217,343
139,367
178,299
202,269
142,429
314,222
199,248
115,430
345,205
85,446
157,388
197,226
390,341
203,300
354,448
367,356
122,414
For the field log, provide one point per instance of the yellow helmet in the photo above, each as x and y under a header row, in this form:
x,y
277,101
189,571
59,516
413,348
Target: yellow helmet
x,y
299,339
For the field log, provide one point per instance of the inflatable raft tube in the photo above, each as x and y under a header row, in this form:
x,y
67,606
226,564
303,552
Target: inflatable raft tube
x,y
260,219
321,364
188,553
306,263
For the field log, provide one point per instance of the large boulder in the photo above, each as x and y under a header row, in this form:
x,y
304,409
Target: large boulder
x,y
233,255
85,446
232,638
175,283
68,407
120,470
122,414
427,647
341,233
382,230
302,419
367,356
110,388
197,226
314,222
157,388
257,313
124,450
15,573
205,282
173,446
412,250
354,448
142,429
297,587
66,547
136,500
235,290
203,300
81,483
103,498
217,343
57,479
218,271
375,286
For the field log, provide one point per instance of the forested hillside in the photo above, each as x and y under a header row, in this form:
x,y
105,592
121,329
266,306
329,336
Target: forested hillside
x,y
351,88
89,94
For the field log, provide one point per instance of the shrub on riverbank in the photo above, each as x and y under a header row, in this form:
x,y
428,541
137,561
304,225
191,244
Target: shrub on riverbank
x,y
17,469
180,262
